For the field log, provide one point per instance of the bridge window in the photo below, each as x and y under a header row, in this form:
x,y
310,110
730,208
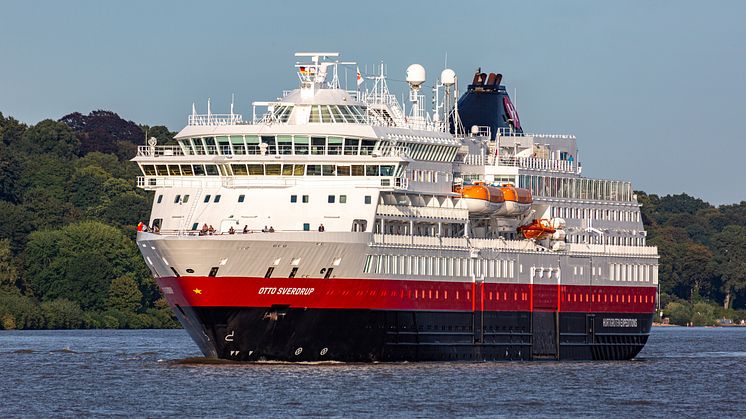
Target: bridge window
x,y
212,170
272,170
301,143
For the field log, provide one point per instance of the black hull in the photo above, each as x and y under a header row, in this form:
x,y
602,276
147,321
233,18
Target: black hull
x,y
311,335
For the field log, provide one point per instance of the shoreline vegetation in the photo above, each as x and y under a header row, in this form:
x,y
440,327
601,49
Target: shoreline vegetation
x,y
69,208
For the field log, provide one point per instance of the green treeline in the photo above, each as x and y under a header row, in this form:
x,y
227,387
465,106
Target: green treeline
x,y
68,211
69,207
702,252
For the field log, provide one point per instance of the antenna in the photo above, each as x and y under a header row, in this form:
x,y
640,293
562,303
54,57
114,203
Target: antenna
x,y
232,101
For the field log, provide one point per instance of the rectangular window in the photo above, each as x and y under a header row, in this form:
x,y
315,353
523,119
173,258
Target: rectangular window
x,y
212,170
186,199
330,199
318,145
305,199
177,198
343,199
313,170
199,170
207,198
256,169
239,169
368,199
160,198
306,227
241,198
217,199
351,146
293,198
272,169
300,143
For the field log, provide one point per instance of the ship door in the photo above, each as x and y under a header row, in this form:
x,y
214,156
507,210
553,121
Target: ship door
x,y
478,310
545,283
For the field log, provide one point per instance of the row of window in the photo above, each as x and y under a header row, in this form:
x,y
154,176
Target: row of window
x,y
438,266
577,188
606,239
633,273
326,114
271,170
331,199
307,145
238,144
180,170
597,214
430,176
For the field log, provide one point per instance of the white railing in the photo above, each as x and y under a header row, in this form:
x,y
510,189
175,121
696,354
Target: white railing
x,y
215,119
150,182
423,212
539,164
501,244
158,151
612,249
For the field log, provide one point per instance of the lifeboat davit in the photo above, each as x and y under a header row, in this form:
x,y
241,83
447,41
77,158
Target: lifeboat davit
x,y
538,229
517,201
482,199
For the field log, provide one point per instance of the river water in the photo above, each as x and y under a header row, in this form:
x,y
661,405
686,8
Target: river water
x,y
691,372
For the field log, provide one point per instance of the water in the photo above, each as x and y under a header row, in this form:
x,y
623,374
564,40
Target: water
x,y
153,373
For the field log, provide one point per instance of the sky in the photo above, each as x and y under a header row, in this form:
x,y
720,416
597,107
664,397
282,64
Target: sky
x,y
655,91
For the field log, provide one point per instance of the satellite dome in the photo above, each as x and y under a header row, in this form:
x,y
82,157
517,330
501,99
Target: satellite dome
x,y
415,75
448,77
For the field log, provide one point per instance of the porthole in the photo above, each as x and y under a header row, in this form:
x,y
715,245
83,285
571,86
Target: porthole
x,y
190,270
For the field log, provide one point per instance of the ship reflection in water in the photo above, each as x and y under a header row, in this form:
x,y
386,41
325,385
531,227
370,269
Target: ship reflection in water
x,y
693,372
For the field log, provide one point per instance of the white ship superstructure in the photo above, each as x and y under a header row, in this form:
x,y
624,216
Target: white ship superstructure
x,y
338,225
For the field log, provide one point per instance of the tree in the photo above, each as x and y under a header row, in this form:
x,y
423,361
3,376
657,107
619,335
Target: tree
x,y
78,262
62,314
87,187
15,225
731,246
124,295
49,137
101,130
10,129
7,266
10,175
18,311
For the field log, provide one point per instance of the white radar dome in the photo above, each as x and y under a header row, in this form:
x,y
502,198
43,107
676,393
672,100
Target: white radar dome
x,y
415,75
448,77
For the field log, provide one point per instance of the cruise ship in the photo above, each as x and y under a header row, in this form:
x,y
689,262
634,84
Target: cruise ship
x,y
345,225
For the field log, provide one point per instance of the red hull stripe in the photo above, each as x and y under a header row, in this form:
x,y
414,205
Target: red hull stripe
x,y
402,295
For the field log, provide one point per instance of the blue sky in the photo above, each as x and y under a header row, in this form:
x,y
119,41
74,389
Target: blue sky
x,y
654,90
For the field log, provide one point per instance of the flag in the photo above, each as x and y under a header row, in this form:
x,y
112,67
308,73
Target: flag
x,y
359,77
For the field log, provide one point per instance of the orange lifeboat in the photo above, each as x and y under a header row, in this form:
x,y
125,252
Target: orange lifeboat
x,y
481,199
517,201
538,229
